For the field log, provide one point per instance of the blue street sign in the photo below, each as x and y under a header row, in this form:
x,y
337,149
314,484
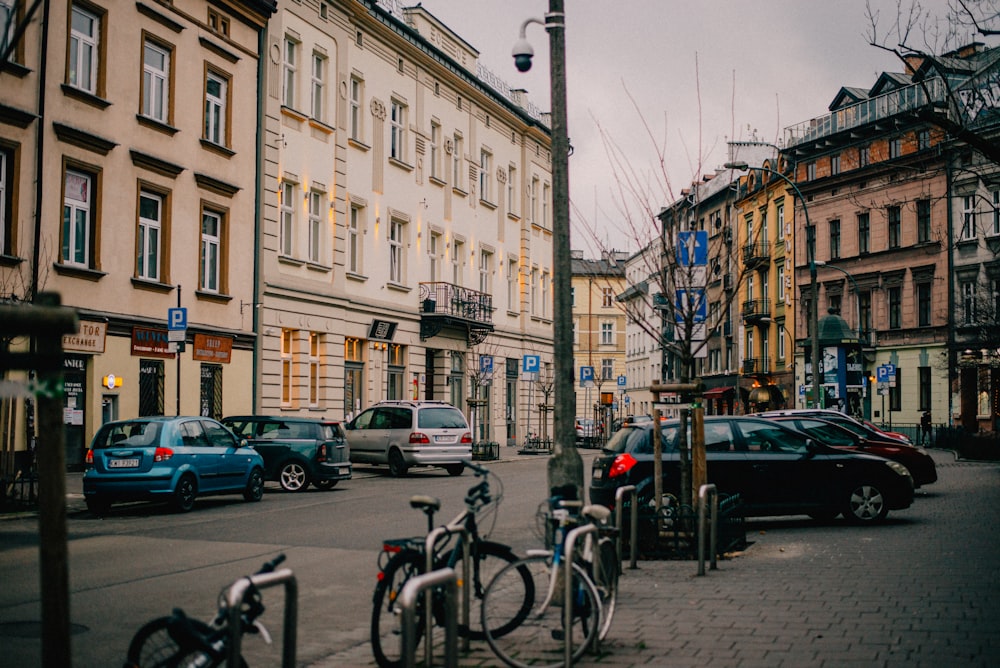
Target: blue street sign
x,y
177,318
621,381
885,373
692,248
627,400
531,363
586,375
691,301
486,364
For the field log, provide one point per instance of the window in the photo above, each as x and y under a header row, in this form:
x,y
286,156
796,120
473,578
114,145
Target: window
x,y
996,213
780,296
318,86
435,150
396,274
546,282
314,368
895,232
513,293
924,387
150,233
835,165
782,333
286,233
534,292
287,367
8,23
969,302
546,203
895,147
810,171
864,233
397,131
357,92
155,82
211,401
865,310
395,373
289,66
923,304
895,295
217,23
211,251
6,201
834,239
354,246
923,139
486,271
607,368
315,226
216,108
896,393
864,156
434,255
485,180
78,218
533,201
607,333
150,387
833,303
84,53
512,190
457,270
968,218
607,297
456,164
923,220
811,242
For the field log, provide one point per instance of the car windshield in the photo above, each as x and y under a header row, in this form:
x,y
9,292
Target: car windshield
x,y
440,418
639,441
127,435
828,433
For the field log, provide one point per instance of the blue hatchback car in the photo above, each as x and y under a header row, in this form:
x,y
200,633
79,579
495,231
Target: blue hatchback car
x,y
173,459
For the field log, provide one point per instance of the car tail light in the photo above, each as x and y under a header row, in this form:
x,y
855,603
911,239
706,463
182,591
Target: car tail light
x,y
89,461
321,453
467,437
621,465
162,454
418,437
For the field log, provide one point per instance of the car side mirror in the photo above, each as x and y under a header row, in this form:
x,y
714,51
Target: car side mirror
x,y
245,444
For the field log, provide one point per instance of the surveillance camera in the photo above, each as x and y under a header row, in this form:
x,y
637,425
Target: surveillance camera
x,y
522,53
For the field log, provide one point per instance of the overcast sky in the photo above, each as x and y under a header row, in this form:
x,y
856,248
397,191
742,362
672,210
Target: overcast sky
x,y
701,73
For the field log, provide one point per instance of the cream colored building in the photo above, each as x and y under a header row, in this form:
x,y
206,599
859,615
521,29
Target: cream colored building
x,y
406,244
128,161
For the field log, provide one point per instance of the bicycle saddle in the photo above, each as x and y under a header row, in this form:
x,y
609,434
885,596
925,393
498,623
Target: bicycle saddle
x,y
425,503
596,512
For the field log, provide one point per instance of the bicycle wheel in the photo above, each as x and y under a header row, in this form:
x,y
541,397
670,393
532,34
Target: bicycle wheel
x,y
540,639
606,583
154,646
387,618
487,559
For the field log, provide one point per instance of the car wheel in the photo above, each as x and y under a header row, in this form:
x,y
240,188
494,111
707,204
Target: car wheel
x,y
255,486
325,484
454,469
865,505
397,465
97,505
185,494
292,477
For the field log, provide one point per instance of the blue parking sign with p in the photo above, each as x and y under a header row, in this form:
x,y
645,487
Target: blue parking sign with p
x,y
177,318
531,363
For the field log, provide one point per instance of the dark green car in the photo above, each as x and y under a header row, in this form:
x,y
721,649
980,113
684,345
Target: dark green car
x,y
297,451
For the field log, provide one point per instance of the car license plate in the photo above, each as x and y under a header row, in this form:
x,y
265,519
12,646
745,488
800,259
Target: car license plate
x,y
597,474
123,463
444,439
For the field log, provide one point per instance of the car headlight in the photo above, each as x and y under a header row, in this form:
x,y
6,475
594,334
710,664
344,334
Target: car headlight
x,y
899,468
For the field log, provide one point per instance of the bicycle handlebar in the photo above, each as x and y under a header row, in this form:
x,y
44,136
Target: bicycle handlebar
x,y
480,470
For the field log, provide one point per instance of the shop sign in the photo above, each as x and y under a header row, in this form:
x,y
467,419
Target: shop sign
x,y
89,338
147,342
211,348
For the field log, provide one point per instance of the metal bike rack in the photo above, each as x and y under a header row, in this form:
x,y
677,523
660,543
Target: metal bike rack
x,y
704,493
633,536
234,602
407,603
429,544
568,595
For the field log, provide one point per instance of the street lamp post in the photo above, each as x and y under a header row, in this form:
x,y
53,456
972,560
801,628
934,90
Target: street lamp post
x,y
813,287
565,466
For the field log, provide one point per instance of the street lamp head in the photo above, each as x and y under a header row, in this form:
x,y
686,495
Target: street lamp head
x,y
741,166
523,53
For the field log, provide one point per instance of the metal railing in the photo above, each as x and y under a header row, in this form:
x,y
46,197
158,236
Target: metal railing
x,y
407,602
234,601
633,535
568,580
706,492
429,544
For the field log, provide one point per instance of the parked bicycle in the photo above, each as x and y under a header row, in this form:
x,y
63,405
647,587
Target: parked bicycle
x,y
404,558
179,641
540,638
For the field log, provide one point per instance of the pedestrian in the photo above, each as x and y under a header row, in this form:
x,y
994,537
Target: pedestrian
x,y
925,428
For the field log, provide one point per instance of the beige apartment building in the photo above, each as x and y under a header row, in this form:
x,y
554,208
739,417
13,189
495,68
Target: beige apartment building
x,y
128,161
406,233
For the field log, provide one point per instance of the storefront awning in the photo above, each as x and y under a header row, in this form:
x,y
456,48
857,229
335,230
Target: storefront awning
x,y
716,392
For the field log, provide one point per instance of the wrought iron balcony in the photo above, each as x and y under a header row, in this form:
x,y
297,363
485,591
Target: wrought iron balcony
x,y
753,366
449,305
757,254
755,310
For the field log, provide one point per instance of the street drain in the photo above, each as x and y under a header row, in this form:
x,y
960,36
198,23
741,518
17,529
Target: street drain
x,y
32,629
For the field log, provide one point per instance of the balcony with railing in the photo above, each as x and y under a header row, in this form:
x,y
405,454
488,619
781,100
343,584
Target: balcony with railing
x,y
448,305
866,112
757,254
753,366
755,310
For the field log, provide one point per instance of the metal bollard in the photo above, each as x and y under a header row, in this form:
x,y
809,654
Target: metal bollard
x,y
429,543
633,535
407,603
234,602
704,493
568,597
